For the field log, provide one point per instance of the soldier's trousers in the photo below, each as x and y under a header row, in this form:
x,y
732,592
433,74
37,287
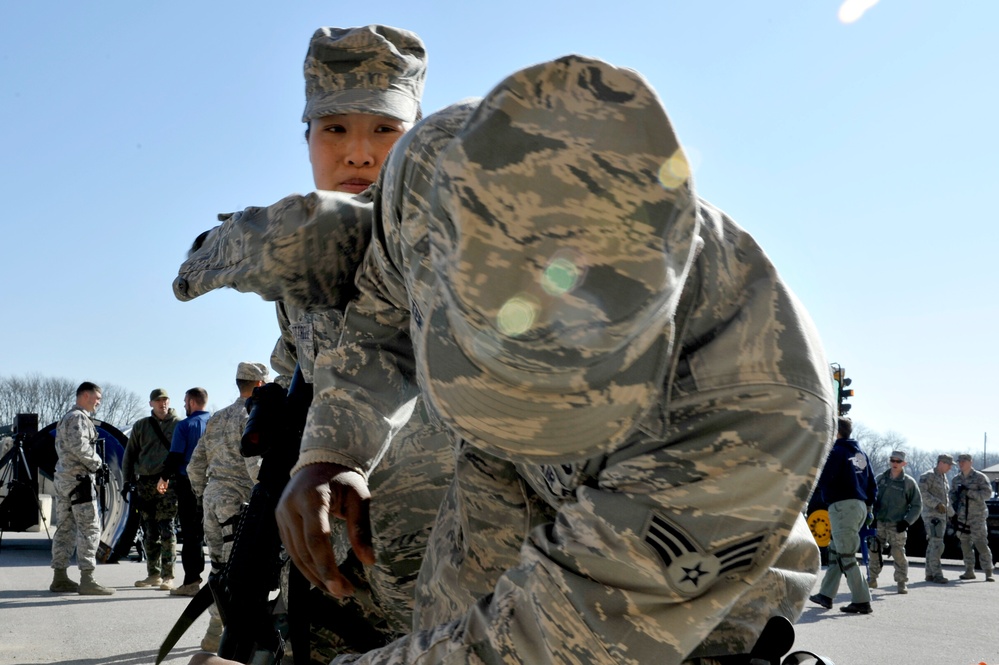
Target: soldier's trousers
x,y
936,528
887,533
159,537
978,539
845,519
78,526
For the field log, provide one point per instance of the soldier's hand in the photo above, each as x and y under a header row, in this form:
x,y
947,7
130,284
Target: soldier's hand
x,y
313,494
941,508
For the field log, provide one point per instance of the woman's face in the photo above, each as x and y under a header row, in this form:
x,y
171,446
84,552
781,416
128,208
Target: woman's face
x,y
347,150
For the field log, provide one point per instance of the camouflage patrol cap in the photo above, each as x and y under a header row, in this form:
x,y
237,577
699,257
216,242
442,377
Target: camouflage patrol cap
x,y
251,372
964,457
897,454
375,69
561,229
945,458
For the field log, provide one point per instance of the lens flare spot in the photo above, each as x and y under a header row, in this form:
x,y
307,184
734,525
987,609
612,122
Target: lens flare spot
x,y
675,171
851,10
560,277
516,316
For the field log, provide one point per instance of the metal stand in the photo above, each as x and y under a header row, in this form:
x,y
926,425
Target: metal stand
x,y
15,472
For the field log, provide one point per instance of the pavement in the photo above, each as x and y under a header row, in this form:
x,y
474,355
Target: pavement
x,y
127,628
953,624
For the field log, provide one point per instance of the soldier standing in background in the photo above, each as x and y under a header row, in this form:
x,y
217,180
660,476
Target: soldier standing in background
x,y
935,491
897,506
185,437
77,520
968,493
145,455
223,479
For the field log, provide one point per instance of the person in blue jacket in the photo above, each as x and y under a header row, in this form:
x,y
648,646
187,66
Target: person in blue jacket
x,y
847,485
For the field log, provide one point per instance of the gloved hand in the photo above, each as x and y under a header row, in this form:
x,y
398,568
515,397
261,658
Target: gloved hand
x,y
941,508
126,489
901,526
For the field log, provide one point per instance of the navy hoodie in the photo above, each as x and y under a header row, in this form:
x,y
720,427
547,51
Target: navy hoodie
x,y
847,474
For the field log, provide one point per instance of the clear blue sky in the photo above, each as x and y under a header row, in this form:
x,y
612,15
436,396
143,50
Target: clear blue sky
x,y
862,156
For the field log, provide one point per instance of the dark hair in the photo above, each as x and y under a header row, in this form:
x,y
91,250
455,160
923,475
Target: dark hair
x,y
844,426
199,395
88,387
243,384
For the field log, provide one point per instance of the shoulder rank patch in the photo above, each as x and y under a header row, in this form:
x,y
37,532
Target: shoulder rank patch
x,y
690,569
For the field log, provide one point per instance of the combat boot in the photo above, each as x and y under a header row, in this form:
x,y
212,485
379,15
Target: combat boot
x,y
213,636
969,574
901,588
872,583
152,580
62,584
90,587
989,577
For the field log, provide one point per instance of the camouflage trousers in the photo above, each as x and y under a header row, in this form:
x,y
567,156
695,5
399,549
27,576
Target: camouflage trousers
x,y
936,528
976,539
78,527
157,513
888,535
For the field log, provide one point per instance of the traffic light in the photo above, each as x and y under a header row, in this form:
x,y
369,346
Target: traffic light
x,y
843,392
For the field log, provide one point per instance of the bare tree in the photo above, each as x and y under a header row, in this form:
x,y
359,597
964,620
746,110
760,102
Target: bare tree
x,y
51,397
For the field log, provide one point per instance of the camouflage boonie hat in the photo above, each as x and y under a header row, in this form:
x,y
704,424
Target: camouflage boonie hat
x,y
158,393
251,372
375,69
561,230
945,458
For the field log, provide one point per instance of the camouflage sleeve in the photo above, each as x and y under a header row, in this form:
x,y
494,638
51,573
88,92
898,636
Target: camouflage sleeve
x,y
364,385
197,467
284,357
302,249
979,487
915,500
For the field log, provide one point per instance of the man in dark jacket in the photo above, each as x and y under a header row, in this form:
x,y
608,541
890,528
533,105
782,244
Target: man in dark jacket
x,y
847,485
145,455
898,505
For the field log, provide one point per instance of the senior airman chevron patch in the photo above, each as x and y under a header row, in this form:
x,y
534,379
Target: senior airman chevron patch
x,y
689,568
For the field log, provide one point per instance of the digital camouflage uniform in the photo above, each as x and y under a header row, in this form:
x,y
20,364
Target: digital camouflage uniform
x,y
968,494
145,454
935,491
660,536
898,500
222,478
78,522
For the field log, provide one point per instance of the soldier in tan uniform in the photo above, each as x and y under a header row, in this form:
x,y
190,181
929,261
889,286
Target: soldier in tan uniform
x,y
639,403
935,490
968,493
223,479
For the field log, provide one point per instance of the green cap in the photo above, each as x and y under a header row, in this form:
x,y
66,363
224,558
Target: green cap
x,y
375,69
562,229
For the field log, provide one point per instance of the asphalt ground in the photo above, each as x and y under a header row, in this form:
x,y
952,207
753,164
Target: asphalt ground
x,y
953,624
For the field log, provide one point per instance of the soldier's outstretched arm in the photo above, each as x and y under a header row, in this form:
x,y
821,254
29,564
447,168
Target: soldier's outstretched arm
x,y
302,249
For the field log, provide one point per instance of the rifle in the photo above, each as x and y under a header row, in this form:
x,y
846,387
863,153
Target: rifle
x,y
241,589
